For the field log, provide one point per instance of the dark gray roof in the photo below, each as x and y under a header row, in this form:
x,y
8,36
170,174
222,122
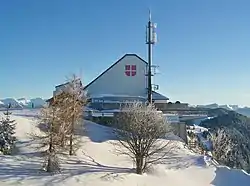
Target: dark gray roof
x,y
158,96
79,80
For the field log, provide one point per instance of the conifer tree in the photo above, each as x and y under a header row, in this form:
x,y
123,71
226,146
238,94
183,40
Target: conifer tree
x,y
77,101
48,141
59,120
7,131
71,103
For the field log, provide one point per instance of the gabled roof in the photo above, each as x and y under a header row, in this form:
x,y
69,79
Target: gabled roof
x,y
65,84
62,95
158,96
113,66
78,79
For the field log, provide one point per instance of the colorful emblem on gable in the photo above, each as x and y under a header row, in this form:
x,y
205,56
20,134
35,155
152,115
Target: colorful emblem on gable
x,y
130,70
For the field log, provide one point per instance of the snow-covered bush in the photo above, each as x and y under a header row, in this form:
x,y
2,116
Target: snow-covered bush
x,y
140,131
231,149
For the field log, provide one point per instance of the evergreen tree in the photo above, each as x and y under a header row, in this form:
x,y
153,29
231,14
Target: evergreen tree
x,y
7,131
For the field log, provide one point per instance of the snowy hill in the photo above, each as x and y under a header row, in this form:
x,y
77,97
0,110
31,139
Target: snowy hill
x,y
245,111
232,130
96,164
241,110
215,105
14,102
22,102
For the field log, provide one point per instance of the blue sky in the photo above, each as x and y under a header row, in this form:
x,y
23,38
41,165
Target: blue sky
x,y
203,48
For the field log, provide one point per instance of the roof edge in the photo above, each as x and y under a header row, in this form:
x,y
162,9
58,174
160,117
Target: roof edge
x,y
165,97
68,83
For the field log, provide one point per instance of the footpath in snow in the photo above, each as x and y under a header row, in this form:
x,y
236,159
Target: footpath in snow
x,y
96,164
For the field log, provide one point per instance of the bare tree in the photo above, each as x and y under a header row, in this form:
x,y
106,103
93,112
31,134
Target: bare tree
x,y
48,139
141,130
59,120
74,99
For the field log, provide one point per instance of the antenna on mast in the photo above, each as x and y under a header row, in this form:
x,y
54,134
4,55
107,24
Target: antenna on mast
x,y
149,14
150,41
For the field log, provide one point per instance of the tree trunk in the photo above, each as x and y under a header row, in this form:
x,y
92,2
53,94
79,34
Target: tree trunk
x,y
62,140
139,165
72,126
49,166
71,135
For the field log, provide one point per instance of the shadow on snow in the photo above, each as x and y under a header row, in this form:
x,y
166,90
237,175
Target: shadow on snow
x,y
176,161
25,168
95,132
230,177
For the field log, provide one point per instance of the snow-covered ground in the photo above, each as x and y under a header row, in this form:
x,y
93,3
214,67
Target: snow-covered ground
x,y
198,130
96,164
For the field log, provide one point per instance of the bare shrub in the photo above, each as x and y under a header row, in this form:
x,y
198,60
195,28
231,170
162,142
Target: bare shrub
x,y
141,130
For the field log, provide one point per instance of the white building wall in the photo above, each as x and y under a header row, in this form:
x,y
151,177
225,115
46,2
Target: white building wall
x,y
115,81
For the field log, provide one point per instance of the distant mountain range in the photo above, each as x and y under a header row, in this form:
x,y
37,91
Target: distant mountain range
x,y
39,102
22,103
241,110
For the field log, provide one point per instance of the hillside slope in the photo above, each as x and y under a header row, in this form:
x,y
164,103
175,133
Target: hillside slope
x,y
231,142
241,110
96,164
244,111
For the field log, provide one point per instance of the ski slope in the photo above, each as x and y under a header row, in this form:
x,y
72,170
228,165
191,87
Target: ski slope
x,y
96,163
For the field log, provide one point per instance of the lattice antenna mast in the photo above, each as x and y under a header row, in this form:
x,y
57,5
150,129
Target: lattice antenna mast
x,y
151,39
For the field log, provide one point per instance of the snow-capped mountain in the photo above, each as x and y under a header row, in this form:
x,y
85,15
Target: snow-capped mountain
x,y
22,102
1,103
11,101
242,110
215,105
